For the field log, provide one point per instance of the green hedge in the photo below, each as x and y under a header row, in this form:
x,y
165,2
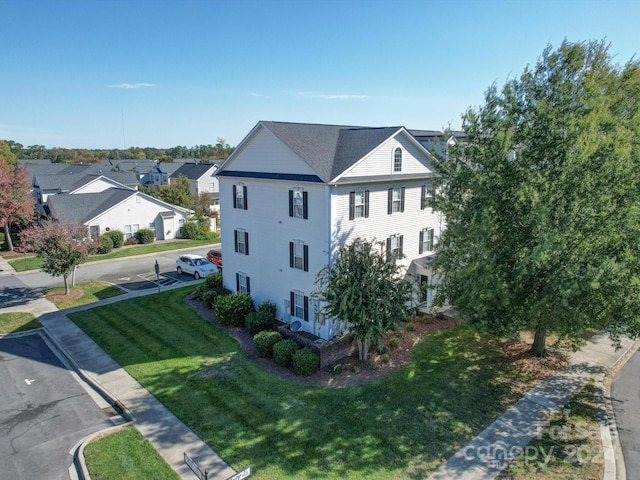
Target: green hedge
x,y
283,352
116,236
211,296
233,309
264,342
145,235
258,321
105,244
305,362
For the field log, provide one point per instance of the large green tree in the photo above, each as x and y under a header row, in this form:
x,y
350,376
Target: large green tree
x,y
542,201
7,157
364,289
61,246
178,192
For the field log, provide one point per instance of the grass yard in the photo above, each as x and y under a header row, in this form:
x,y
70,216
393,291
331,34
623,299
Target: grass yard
x,y
15,322
24,263
402,426
82,293
126,455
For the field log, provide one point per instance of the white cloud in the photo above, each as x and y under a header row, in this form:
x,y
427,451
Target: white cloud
x,y
129,86
325,96
259,95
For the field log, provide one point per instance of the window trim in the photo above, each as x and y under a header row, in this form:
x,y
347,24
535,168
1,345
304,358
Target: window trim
x,y
427,193
292,305
400,247
397,160
391,201
243,195
245,241
305,202
304,258
353,205
429,240
247,283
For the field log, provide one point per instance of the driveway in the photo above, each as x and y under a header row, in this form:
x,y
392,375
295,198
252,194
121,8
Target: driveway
x,y
625,397
44,411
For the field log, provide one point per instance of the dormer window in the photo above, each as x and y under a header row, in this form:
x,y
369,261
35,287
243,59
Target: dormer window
x,y
397,160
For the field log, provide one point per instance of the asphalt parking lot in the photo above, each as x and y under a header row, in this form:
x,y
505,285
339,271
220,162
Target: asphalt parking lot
x,y
44,411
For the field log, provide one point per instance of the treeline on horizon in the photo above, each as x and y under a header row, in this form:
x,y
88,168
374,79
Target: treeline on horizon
x,y
219,151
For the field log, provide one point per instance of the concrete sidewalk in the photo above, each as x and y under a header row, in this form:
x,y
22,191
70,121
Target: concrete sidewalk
x,y
491,451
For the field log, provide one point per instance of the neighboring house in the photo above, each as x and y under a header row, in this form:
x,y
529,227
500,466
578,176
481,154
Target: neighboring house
x,y
117,208
159,175
201,179
292,194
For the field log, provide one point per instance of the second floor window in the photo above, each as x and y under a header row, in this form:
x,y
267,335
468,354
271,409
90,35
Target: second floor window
x,y
240,197
298,200
359,204
299,256
241,241
242,283
397,160
426,197
394,247
426,240
395,200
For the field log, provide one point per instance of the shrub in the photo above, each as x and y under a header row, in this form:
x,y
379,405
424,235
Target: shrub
x,y
410,326
385,357
116,236
394,342
257,322
104,244
232,309
213,280
145,235
305,362
131,241
189,230
210,296
381,349
264,342
268,308
283,352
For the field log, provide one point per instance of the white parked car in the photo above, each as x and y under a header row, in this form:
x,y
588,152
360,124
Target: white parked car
x,y
195,265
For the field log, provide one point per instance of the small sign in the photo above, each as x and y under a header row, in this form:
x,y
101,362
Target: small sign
x,y
195,468
242,474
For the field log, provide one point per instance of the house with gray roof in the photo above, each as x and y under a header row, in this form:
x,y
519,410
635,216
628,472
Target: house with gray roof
x,y
201,178
291,194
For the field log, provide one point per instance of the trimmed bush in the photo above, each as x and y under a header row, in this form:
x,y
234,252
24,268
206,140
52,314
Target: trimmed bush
x,y
116,236
210,296
264,342
213,280
283,352
145,235
305,362
190,231
257,322
233,309
268,308
104,244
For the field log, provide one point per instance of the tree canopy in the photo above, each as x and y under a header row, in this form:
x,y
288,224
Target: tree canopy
x,y
542,201
16,202
7,157
178,192
61,246
365,290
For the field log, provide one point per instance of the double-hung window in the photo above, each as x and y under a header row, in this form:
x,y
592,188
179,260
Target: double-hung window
x,y
240,196
427,194
426,240
298,203
242,283
299,305
299,256
395,200
394,247
359,204
130,231
241,240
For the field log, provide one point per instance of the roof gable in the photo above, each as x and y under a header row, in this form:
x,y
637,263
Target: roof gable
x,y
80,208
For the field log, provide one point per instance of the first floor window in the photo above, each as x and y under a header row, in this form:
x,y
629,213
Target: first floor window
x,y
94,231
241,239
359,204
426,240
299,305
130,231
394,247
152,226
299,256
242,283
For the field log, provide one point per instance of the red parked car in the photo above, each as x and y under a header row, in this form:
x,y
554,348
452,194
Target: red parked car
x,y
215,256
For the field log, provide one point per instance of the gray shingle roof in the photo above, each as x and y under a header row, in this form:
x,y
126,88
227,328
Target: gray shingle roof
x,y
80,208
192,171
72,181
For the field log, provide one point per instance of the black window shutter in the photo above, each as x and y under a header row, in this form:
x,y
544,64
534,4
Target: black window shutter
x,y
291,254
402,199
305,205
423,193
248,285
291,203
246,243
420,248
366,204
235,205
244,194
306,258
292,304
237,282
235,239
352,205
389,248
306,309
401,244
390,201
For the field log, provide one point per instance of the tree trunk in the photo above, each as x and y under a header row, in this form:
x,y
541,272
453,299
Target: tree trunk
x,y
7,237
363,348
66,284
540,340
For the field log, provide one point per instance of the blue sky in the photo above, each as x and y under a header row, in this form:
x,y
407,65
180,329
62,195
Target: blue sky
x,y
114,74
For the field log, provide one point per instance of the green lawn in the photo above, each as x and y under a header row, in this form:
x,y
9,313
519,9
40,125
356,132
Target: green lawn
x,y
21,264
402,426
91,292
126,455
14,322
